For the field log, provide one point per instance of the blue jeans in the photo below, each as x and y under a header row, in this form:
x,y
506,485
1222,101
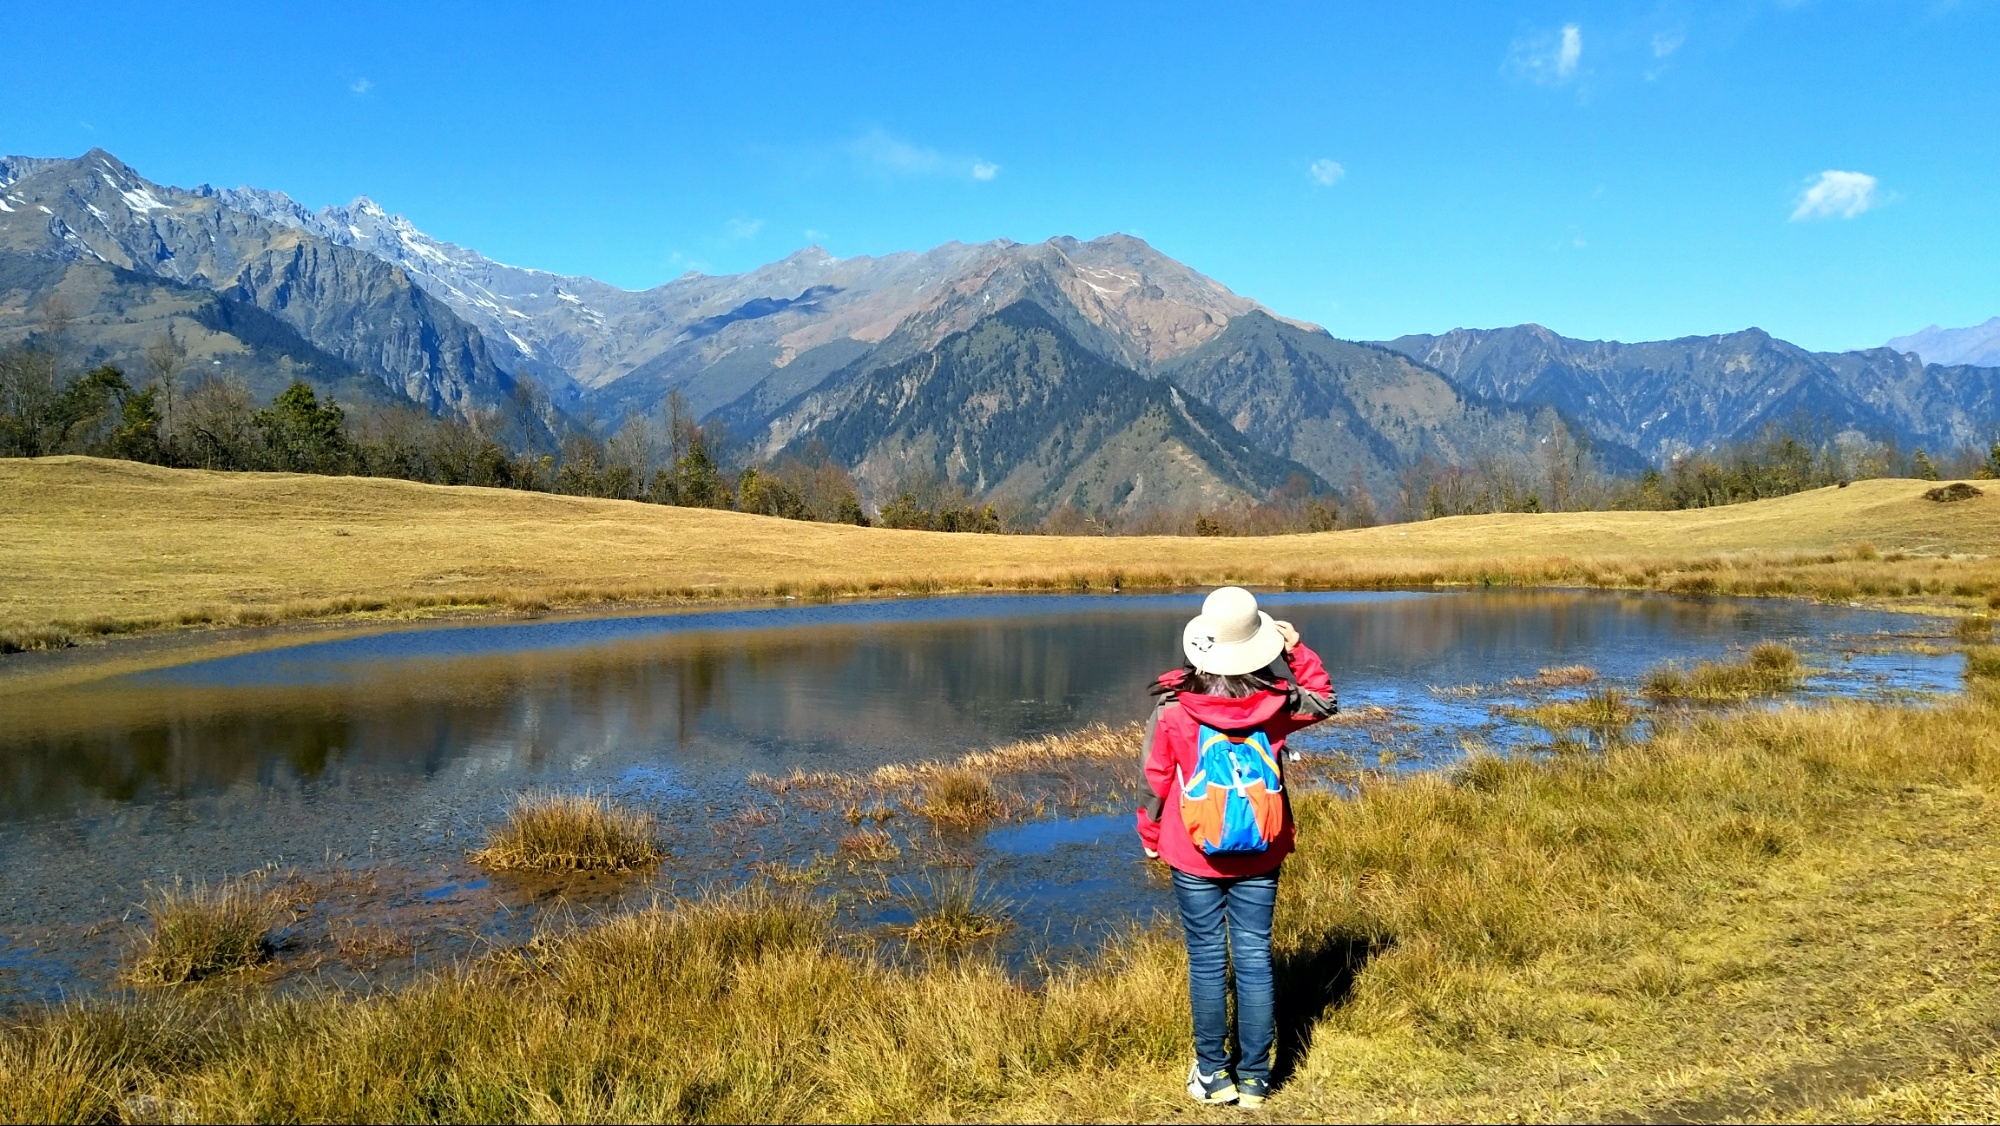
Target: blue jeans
x,y
1224,917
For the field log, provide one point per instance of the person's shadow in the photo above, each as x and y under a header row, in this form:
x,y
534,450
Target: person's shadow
x,y
1308,981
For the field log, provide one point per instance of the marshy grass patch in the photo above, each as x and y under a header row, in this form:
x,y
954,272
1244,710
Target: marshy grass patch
x,y
873,846
200,931
1974,628
808,873
960,799
1603,717
1982,662
1459,943
1771,667
1561,676
955,907
555,832
33,640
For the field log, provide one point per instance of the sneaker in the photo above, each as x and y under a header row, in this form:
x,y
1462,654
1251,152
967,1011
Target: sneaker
x,y
1212,1090
1251,1093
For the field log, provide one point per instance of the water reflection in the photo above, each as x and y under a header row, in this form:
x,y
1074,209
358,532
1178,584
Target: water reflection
x,y
400,748
834,687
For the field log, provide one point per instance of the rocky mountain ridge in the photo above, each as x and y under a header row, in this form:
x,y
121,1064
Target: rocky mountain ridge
x,y
965,361
1664,398
1976,345
348,304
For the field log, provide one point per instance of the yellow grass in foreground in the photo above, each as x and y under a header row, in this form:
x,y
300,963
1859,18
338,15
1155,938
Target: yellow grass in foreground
x,y
552,832
94,546
1792,914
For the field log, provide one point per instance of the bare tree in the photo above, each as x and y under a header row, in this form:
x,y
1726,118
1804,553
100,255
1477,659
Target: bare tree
x,y
166,358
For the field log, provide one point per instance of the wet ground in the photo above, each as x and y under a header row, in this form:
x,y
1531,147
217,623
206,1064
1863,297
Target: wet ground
x,y
358,772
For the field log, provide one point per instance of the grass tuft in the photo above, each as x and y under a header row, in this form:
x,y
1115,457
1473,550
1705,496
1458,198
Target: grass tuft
x,y
1982,662
31,640
1604,718
1770,667
956,908
200,932
959,798
570,832
872,845
1562,676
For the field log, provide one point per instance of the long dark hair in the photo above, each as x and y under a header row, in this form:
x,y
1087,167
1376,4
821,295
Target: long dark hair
x,y
1200,683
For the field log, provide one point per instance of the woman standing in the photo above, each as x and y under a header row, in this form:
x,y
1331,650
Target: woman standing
x,y
1219,817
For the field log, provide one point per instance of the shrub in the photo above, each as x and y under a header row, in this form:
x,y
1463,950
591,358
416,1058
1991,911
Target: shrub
x,y
572,832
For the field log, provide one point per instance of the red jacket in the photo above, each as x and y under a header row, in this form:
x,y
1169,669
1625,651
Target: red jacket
x,y
1171,740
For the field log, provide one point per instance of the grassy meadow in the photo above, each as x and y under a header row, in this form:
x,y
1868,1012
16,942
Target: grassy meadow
x,y
1772,914
96,547
1775,915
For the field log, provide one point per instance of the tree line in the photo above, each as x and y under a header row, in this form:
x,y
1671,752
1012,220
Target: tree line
x,y
215,422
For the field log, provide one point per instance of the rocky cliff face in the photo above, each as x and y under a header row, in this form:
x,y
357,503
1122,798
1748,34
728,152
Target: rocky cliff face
x,y
1667,397
1354,412
346,303
1014,409
717,338
119,314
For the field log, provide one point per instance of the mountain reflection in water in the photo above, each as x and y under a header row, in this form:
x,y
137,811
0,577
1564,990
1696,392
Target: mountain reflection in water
x,y
392,753
832,687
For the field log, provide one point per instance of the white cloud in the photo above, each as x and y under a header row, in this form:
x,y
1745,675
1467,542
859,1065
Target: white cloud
x,y
360,86
1665,43
743,228
878,153
1547,58
1326,173
1836,195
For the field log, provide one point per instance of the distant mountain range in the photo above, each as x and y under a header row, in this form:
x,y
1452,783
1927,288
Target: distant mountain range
x,y
1978,345
1668,397
1101,375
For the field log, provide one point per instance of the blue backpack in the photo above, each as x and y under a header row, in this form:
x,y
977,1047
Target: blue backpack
x,y
1235,803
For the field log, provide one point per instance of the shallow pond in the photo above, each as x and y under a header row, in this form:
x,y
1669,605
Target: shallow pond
x,y
370,765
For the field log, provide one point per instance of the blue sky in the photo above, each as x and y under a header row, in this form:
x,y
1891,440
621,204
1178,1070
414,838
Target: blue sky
x,y
1826,170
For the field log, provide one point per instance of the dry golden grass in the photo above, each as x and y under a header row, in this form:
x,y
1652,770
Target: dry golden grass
x,y
199,931
1562,676
1096,742
1603,717
552,832
873,846
1769,668
98,547
954,908
1788,914
960,799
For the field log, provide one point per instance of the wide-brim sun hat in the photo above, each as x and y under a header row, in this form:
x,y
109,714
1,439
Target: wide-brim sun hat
x,y
1231,637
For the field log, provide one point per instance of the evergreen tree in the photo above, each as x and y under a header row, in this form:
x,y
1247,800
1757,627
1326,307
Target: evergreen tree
x,y
302,434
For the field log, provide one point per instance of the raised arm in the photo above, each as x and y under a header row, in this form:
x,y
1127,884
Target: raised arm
x,y
1312,697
